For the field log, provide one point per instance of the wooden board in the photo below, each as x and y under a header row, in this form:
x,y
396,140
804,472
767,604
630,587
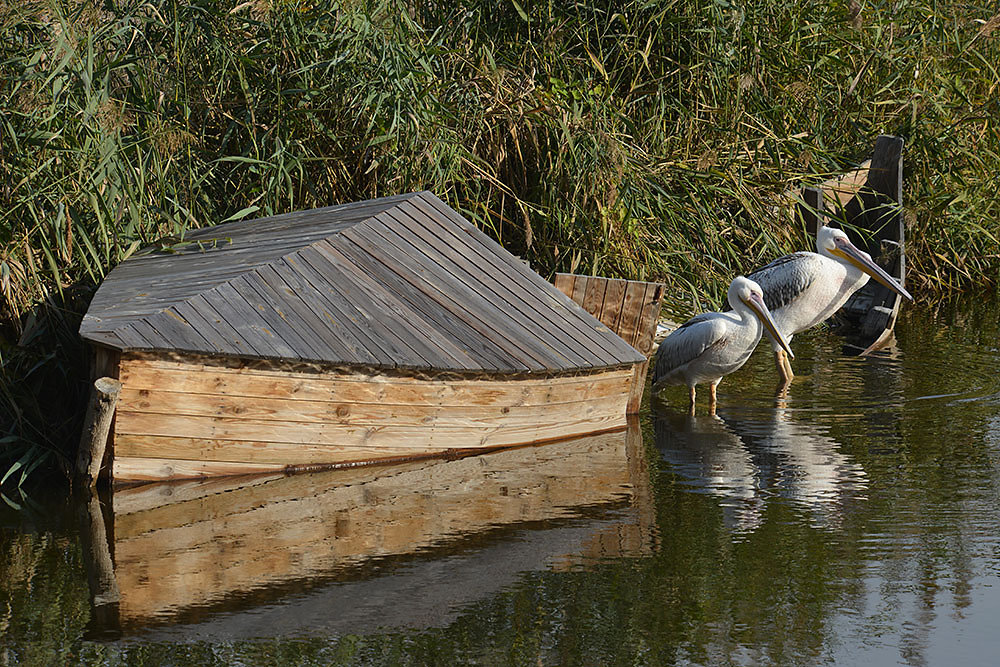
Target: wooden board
x,y
187,412
184,545
630,308
869,199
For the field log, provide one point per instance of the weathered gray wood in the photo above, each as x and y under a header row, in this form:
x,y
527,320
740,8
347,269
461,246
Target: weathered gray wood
x,y
398,282
422,335
504,294
293,293
494,317
96,428
602,343
386,256
465,333
363,312
810,210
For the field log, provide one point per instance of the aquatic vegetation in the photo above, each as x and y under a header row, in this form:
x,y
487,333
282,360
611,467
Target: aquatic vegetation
x,y
638,139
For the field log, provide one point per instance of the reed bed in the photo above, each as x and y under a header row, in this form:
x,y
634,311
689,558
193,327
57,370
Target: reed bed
x,y
645,139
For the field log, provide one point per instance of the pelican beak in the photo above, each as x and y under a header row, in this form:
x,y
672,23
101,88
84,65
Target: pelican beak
x,y
756,304
863,261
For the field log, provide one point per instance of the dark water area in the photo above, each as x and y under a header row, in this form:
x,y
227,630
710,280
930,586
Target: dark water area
x,y
855,521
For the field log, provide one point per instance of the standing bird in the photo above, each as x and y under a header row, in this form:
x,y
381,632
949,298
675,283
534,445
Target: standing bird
x,y
805,288
711,345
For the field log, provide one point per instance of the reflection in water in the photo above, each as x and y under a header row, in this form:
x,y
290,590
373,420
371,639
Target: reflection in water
x,y
337,550
745,458
864,509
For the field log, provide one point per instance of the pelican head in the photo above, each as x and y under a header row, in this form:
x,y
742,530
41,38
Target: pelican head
x,y
834,244
746,296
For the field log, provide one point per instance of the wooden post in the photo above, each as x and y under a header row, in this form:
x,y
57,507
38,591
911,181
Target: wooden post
x,y
96,427
810,209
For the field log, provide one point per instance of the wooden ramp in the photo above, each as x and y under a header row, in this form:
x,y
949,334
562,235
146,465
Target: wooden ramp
x,y
868,200
630,308
207,544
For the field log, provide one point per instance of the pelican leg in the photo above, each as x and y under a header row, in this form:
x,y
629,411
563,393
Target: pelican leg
x,y
784,369
712,397
788,365
691,404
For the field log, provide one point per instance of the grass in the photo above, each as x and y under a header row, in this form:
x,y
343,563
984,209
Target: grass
x,y
647,139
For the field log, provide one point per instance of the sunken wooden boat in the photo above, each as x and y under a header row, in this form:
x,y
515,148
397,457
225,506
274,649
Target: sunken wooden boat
x,y
375,331
867,202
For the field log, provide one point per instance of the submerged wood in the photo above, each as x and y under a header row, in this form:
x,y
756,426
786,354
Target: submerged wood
x,y
99,565
96,428
380,330
188,544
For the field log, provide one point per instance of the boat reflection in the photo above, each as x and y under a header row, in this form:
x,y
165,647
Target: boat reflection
x,y
402,545
747,458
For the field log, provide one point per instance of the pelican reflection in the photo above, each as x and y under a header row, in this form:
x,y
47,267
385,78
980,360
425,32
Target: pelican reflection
x,y
747,458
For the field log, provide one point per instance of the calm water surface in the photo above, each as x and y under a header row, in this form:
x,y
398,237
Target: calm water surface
x,y
855,522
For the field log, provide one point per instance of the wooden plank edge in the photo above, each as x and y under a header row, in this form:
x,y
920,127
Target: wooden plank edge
x,y
207,469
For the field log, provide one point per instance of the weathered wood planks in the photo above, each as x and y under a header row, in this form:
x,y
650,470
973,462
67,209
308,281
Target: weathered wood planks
x,y
869,200
186,412
629,308
398,283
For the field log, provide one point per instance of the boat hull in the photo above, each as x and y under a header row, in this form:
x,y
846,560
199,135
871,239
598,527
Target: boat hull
x,y
195,417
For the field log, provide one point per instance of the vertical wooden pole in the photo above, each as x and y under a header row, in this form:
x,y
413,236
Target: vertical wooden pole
x,y
810,210
96,427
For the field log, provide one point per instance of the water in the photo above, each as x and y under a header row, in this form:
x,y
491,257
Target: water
x,y
854,522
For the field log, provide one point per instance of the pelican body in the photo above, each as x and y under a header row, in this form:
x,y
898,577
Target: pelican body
x,y
712,345
805,288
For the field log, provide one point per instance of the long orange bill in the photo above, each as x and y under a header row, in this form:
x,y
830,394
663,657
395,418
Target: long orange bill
x,y
764,315
860,259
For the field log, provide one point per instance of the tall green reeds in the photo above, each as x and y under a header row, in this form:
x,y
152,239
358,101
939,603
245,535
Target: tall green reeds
x,y
650,139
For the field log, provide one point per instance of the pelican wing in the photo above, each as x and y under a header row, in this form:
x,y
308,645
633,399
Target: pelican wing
x,y
784,279
687,343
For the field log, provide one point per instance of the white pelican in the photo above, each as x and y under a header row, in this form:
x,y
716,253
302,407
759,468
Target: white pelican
x,y
711,345
805,288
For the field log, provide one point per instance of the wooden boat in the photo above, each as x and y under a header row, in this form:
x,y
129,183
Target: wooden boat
x,y
376,331
185,549
868,202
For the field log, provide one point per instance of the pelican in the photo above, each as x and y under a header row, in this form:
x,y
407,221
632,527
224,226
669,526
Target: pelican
x,y
805,288
711,345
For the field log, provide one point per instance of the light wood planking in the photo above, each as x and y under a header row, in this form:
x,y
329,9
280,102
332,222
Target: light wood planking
x,y
629,308
132,468
198,378
241,415
338,412
296,443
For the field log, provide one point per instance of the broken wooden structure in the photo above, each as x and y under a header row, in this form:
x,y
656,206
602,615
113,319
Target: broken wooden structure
x,y
376,331
868,203
187,548
630,308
